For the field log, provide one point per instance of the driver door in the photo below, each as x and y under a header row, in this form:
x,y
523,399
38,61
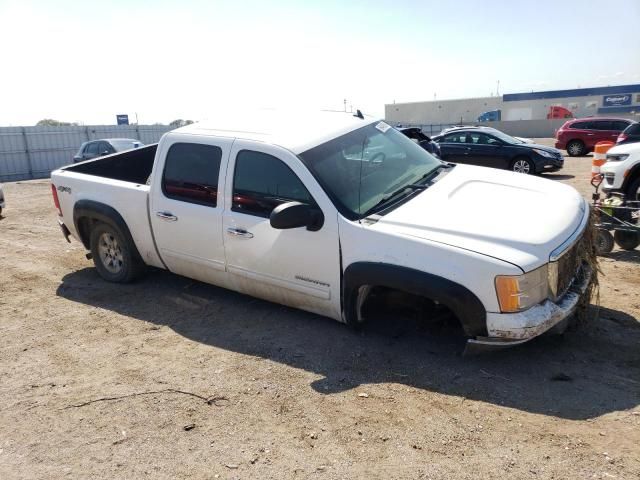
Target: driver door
x,y
295,267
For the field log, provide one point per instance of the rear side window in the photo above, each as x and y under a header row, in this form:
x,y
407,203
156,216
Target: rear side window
x,y
581,126
455,138
261,182
602,125
191,173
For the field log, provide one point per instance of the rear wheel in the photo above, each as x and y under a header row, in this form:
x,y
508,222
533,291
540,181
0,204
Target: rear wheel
x,y
575,148
627,240
604,242
115,260
523,165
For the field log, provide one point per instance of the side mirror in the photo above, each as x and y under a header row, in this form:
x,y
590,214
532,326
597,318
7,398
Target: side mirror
x,y
106,152
295,215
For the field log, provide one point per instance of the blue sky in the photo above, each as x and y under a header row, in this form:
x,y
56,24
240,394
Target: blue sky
x,y
86,61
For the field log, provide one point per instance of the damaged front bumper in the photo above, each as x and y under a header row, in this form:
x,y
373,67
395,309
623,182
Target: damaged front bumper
x,y
509,329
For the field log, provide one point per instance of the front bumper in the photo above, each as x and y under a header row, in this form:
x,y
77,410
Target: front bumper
x,y
509,329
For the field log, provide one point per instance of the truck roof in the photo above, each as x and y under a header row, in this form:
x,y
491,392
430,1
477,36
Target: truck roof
x,y
297,131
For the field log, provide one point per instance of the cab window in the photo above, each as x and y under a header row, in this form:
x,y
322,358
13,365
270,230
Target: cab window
x,y
191,173
261,182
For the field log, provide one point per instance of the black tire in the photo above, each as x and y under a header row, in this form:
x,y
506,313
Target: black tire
x,y
633,190
115,259
627,240
523,165
604,242
575,148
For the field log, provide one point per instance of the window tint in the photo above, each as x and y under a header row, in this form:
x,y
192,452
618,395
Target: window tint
x,y
104,147
633,129
601,125
191,173
261,182
478,138
619,125
92,148
456,138
581,126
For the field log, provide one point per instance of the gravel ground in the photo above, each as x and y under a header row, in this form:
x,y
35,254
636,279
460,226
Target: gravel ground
x,y
171,378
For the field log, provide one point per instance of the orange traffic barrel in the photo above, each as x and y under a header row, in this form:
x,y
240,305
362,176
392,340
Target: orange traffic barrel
x,y
599,157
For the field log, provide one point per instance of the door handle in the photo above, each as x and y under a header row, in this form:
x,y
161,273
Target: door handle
x,y
239,232
170,217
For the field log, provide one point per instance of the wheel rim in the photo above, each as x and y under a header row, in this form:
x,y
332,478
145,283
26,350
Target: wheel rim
x,y
521,166
110,253
574,149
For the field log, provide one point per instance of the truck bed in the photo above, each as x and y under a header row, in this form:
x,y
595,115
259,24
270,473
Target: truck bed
x,y
131,166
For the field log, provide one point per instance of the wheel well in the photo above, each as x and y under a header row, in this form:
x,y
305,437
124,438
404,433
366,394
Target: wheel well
x,y
462,302
85,225
381,303
631,177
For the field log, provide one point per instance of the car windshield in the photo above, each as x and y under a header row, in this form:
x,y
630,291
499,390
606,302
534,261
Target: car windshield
x,y
362,168
121,145
504,137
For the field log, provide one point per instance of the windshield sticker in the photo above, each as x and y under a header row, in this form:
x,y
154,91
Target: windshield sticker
x,y
383,127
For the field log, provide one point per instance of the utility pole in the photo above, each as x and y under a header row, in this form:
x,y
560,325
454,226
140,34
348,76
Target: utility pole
x,y
498,89
345,104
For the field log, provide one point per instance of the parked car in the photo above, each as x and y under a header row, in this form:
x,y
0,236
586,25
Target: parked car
x,y
1,199
579,137
286,215
105,146
622,171
449,129
492,148
418,136
631,134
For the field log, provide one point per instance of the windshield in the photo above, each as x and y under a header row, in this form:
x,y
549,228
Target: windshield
x,y
121,145
504,137
362,168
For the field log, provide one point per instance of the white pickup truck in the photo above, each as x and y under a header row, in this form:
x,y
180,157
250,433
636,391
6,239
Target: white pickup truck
x,y
316,211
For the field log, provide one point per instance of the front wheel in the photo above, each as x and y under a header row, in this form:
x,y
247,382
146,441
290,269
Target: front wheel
x,y
523,165
115,260
627,240
633,192
604,242
575,148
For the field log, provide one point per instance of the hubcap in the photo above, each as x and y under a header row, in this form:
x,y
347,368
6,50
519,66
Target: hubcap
x,y
521,166
110,253
574,149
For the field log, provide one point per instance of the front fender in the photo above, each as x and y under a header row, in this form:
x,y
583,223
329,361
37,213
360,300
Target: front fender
x,y
460,300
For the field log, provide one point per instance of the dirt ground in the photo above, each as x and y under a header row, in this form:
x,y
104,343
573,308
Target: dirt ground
x,y
171,378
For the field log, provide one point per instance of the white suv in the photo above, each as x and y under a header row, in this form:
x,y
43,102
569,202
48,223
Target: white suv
x,y
622,170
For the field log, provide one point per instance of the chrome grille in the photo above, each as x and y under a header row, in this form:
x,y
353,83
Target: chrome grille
x,y
564,271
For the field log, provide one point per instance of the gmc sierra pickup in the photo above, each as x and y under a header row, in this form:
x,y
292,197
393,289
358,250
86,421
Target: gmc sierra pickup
x,y
315,211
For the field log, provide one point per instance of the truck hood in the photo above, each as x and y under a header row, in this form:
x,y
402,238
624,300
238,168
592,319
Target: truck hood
x,y
514,217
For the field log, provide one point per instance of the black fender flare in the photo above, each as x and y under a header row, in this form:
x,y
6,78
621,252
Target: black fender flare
x,y
459,299
100,212
634,172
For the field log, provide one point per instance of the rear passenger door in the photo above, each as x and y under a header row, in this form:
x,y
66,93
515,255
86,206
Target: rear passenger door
x,y
186,210
454,148
487,151
604,131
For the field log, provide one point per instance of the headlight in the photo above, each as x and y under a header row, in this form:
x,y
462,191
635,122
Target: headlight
x,y
617,157
544,153
519,292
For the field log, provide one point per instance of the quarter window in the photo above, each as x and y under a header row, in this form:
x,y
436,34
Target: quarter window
x,y
619,125
261,182
191,173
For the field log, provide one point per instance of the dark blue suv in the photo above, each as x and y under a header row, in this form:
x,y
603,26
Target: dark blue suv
x,y
489,147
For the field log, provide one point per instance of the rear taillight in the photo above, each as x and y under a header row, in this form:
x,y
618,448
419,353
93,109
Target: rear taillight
x,y
56,202
621,138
